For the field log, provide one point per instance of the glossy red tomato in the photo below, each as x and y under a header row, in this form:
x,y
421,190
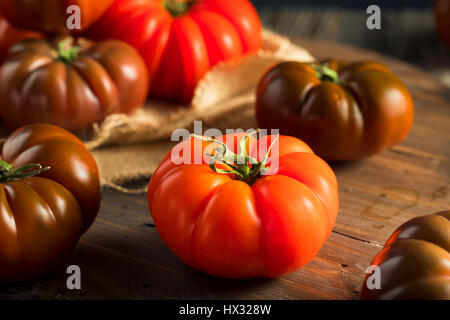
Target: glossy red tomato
x,y
243,224
181,40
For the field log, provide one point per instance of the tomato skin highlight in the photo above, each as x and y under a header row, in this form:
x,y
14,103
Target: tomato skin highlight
x,y
180,49
225,227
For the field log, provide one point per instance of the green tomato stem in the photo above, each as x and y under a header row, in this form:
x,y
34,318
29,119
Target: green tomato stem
x,y
243,166
9,174
67,51
325,73
177,8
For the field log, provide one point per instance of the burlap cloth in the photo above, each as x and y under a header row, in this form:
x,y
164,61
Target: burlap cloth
x,y
129,148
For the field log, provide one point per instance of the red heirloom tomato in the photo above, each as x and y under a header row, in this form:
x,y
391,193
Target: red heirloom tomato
x,y
69,85
415,262
182,40
42,217
50,16
10,35
344,111
442,15
231,220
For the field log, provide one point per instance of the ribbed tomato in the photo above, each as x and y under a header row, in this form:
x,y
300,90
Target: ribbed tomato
x,y
344,111
415,261
181,40
234,222
42,217
70,84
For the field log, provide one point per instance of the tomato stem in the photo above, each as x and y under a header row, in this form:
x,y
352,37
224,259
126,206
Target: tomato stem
x,y
178,7
325,73
67,51
243,166
8,174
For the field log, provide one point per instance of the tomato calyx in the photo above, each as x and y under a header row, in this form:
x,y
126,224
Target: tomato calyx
x,y
9,174
177,8
325,73
67,50
243,166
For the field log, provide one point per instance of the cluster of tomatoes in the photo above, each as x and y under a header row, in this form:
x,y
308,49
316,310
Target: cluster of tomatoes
x,y
136,48
53,78
224,216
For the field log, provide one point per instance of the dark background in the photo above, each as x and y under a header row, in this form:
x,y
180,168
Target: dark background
x,y
407,32
347,3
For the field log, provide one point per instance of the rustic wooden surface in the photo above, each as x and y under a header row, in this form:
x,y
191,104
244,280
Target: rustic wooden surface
x,y
122,256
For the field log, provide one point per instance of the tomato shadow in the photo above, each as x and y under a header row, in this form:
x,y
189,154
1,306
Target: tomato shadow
x,y
221,288
342,166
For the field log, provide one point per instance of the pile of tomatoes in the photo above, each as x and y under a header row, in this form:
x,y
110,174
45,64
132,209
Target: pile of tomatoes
x,y
253,206
68,64
160,48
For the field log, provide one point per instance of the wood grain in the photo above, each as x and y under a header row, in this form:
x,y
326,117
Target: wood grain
x,y
122,256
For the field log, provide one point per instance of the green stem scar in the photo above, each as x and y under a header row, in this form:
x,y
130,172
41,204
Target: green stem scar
x,y
243,166
325,73
9,174
177,8
67,51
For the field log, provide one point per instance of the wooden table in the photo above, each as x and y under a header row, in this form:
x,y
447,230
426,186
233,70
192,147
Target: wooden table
x,y
122,257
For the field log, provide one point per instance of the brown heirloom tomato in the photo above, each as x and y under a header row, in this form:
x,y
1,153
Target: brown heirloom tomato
x,y
50,16
415,262
69,85
42,217
343,111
